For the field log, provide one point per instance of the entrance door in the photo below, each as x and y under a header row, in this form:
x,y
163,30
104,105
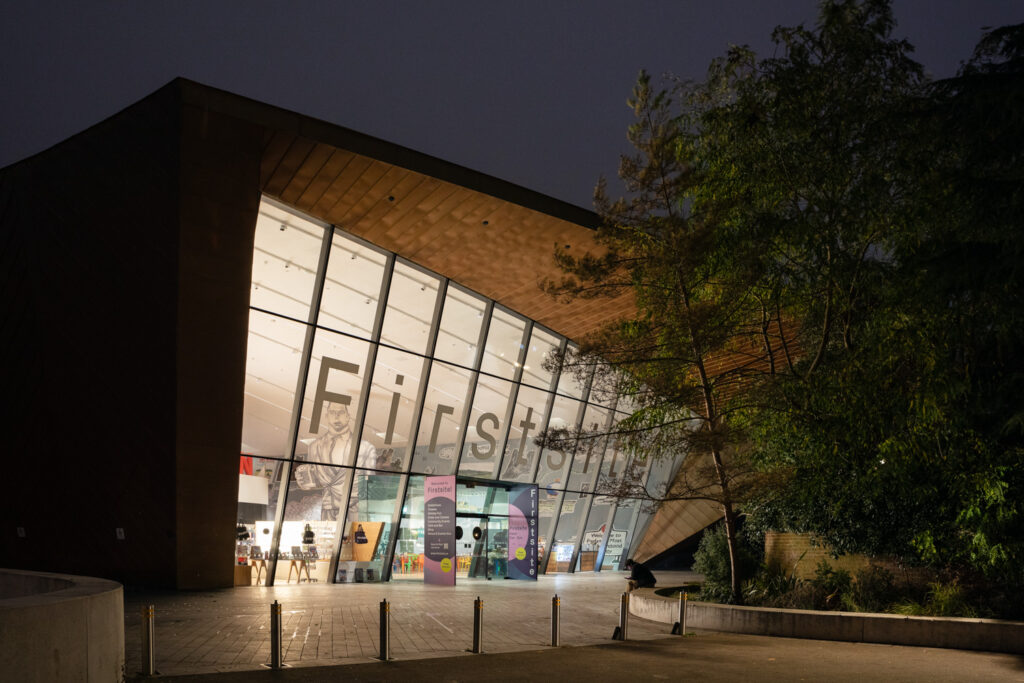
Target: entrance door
x,y
482,550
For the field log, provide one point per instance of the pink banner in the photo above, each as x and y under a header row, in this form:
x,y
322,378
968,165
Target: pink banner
x,y
439,531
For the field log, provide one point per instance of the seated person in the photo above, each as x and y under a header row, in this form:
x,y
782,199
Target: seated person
x,y
640,576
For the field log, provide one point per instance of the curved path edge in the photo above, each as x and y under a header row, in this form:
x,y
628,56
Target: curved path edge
x,y
991,635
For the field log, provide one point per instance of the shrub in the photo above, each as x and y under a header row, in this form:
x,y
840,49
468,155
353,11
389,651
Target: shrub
x,y
942,600
712,560
873,590
829,586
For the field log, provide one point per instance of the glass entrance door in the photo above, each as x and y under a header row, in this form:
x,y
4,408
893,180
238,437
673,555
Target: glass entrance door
x,y
482,549
497,547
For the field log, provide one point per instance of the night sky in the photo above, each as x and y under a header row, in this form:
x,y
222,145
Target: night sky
x,y
531,92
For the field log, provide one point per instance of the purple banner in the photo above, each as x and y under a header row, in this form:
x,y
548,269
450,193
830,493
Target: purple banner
x,y
522,532
439,531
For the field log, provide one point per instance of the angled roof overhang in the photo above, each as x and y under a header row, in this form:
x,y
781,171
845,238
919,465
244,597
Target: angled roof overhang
x,y
492,236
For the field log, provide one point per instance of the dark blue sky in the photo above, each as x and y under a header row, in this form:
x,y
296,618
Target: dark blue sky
x,y
532,92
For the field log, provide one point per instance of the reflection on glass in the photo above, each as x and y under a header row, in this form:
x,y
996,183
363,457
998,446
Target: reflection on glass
x,y
618,538
527,423
554,463
542,346
273,354
390,411
504,342
284,261
461,319
443,410
352,287
590,450
594,532
570,523
485,435
410,307
547,517
569,382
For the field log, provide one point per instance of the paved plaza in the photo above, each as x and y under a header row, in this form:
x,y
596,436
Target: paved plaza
x,y
324,624
331,633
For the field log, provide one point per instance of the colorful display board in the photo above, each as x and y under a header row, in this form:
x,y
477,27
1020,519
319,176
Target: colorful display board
x,y
439,530
522,532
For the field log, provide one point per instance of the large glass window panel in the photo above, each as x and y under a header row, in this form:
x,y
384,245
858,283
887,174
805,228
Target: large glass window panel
x,y
593,535
542,346
352,287
504,342
620,534
443,410
485,434
643,519
368,527
590,450
613,468
527,423
255,483
570,524
461,320
285,257
390,410
554,463
326,447
410,307
408,562
547,517
571,382
273,357
662,467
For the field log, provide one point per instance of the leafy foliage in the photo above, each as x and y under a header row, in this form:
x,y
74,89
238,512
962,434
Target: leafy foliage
x,y
712,559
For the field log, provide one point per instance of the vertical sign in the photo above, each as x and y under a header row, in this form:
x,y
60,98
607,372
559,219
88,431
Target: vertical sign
x,y
439,530
522,532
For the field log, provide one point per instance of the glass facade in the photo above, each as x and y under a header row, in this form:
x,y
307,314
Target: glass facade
x,y
364,374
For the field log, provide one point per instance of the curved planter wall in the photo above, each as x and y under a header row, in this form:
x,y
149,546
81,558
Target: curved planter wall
x,y
56,627
893,629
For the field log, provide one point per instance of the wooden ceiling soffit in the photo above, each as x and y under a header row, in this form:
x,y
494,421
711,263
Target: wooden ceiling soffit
x,y
491,245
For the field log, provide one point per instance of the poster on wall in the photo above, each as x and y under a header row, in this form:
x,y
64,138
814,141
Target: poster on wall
x,y
439,530
522,532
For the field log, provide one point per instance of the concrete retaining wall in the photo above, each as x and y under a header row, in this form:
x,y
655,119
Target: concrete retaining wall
x,y
56,628
962,634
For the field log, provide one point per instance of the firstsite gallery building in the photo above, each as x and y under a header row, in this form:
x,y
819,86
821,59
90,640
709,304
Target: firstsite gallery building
x,y
234,334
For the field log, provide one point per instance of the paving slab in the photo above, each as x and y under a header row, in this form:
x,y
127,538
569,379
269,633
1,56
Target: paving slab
x,y
332,624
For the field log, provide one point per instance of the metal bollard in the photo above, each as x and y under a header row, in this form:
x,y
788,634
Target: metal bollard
x,y
478,626
556,605
679,628
621,631
148,655
385,630
275,635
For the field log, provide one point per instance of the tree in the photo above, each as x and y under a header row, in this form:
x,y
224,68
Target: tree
x,y
755,239
682,357
912,444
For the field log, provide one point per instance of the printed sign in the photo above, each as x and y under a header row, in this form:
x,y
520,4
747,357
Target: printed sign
x,y
439,530
616,542
522,532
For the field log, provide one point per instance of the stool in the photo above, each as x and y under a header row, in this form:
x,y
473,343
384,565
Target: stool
x,y
298,565
261,567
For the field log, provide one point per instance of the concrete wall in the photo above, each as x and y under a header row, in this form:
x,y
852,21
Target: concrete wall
x,y
893,629
60,628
